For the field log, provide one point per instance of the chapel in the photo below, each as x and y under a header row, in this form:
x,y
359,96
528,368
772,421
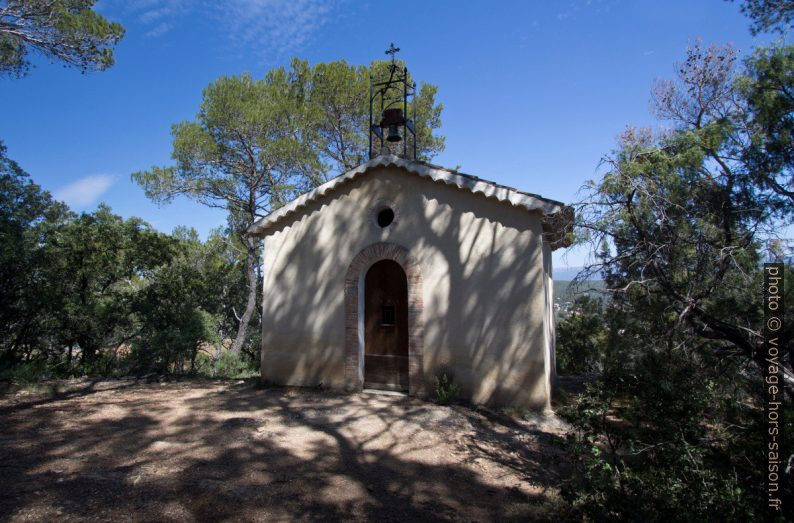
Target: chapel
x,y
399,271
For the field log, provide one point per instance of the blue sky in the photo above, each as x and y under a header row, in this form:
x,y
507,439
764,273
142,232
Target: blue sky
x,y
534,92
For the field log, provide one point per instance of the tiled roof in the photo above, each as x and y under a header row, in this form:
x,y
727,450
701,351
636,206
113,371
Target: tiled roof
x,y
556,214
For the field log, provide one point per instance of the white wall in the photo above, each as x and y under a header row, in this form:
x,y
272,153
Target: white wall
x,y
485,287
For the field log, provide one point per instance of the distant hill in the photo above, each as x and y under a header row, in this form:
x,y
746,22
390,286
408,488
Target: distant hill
x,y
569,273
565,291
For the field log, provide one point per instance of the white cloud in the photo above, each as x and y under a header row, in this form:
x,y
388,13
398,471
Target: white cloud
x,y
84,191
575,8
269,28
153,15
160,29
274,27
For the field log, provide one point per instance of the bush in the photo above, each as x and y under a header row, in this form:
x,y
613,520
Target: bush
x,y
581,337
658,437
104,365
203,364
27,373
232,365
446,391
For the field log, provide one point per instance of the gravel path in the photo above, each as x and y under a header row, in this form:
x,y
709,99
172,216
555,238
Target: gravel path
x,y
227,450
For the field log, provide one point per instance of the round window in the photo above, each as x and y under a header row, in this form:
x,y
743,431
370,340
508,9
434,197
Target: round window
x,y
385,217
383,213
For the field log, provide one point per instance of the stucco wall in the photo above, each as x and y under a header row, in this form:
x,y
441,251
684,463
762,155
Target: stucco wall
x,y
484,292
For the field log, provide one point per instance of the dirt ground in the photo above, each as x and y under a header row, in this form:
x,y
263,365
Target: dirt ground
x,y
228,450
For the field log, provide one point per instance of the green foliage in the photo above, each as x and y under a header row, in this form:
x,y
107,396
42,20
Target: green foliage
x,y
228,365
232,365
683,214
249,152
255,144
65,30
244,152
671,430
445,390
27,372
173,322
339,97
28,217
661,437
106,364
581,337
203,365
769,119
188,303
570,290
258,143
768,15
95,294
97,264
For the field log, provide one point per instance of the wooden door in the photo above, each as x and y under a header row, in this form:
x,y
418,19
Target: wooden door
x,y
386,327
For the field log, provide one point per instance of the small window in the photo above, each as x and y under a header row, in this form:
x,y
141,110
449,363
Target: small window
x,y
388,315
385,217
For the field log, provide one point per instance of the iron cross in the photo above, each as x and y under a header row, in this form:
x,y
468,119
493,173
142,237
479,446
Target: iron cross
x,y
392,50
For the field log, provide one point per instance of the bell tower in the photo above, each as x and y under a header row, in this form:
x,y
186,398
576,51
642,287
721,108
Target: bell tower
x,y
389,125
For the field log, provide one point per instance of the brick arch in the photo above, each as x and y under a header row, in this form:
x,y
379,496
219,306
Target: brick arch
x,y
354,317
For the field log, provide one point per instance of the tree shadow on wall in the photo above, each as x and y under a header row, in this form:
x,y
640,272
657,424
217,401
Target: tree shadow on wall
x,y
479,304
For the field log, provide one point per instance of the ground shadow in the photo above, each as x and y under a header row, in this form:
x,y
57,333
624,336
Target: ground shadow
x,y
230,451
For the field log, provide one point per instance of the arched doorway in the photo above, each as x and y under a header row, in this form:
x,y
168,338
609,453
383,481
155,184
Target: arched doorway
x,y
386,326
354,314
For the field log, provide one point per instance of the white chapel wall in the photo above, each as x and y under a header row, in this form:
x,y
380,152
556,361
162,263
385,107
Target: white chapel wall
x,y
485,295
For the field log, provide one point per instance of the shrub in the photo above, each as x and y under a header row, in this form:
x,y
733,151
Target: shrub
x,y
581,337
657,437
446,391
232,365
105,364
204,364
27,373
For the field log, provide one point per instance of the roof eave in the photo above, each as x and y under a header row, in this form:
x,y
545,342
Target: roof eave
x,y
549,208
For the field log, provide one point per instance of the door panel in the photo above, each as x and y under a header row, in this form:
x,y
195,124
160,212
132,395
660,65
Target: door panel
x,y
386,326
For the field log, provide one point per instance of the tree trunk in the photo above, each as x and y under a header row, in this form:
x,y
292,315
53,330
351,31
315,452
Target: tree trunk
x,y
87,352
250,271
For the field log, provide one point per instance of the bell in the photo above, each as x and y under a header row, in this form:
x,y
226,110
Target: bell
x,y
394,134
392,120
